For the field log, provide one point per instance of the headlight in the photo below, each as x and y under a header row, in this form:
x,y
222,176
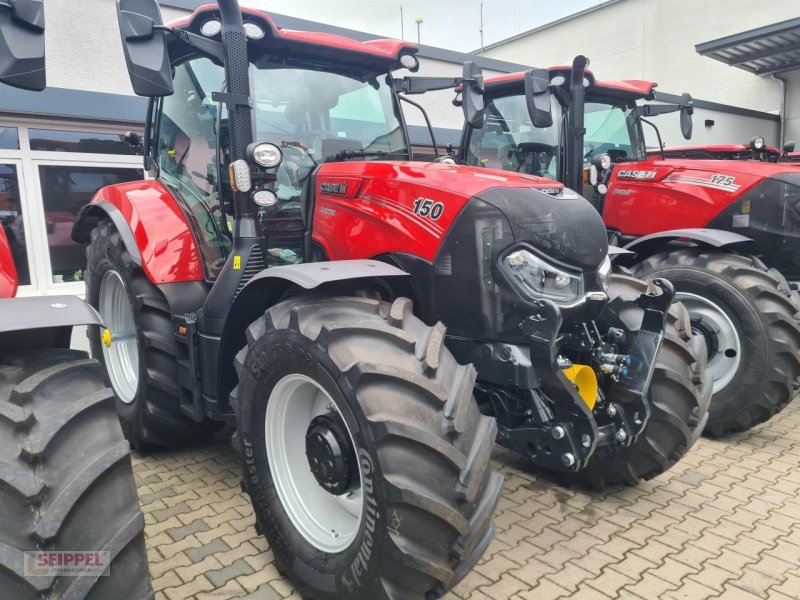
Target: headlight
x,y
757,143
604,274
266,154
542,279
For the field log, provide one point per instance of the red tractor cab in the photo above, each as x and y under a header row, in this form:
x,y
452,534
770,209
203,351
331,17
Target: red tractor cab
x,y
726,233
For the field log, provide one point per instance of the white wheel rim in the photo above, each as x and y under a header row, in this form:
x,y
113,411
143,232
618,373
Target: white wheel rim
x,y
724,362
121,356
329,523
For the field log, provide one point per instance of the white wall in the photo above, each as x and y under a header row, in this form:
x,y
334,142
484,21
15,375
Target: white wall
x,y
654,40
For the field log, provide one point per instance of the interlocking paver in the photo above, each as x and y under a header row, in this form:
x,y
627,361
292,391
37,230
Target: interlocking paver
x,y
722,523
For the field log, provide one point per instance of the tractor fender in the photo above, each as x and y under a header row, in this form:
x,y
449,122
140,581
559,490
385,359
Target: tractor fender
x,y
152,226
43,321
273,285
650,244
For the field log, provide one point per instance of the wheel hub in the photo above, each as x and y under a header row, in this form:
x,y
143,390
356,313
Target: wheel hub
x,y
700,327
330,455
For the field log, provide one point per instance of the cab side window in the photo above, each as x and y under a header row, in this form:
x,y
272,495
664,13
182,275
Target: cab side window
x,y
186,153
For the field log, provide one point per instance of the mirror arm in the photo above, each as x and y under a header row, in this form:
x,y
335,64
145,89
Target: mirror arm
x,y
658,136
420,85
427,122
210,48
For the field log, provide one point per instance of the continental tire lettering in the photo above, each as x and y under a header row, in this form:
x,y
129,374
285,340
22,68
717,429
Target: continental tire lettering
x,y
360,564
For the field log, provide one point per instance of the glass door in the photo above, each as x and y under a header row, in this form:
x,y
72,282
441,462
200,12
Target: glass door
x,y
15,218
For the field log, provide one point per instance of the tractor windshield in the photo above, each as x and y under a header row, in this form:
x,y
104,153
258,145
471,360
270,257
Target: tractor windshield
x,y
509,141
315,115
611,129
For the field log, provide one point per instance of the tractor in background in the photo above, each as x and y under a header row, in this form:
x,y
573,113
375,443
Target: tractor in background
x,y
66,482
725,233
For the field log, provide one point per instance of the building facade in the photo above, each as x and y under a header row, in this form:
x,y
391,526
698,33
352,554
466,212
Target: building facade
x,y
655,40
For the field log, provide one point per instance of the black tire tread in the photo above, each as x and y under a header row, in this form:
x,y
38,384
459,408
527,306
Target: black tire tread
x,y
679,401
434,385
777,306
56,497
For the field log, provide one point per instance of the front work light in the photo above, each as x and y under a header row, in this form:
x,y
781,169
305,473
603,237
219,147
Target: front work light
x,y
239,172
409,61
757,143
253,30
265,154
265,198
211,28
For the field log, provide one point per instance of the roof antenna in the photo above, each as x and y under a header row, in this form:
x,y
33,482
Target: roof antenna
x,y
481,29
402,26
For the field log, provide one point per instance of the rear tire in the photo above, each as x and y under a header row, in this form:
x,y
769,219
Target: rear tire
x,y
760,307
150,415
679,397
66,481
423,447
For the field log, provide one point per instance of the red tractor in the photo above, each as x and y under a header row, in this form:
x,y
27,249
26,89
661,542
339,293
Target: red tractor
x,y
287,268
66,485
725,233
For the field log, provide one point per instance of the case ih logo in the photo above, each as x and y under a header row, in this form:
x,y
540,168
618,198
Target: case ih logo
x,y
327,187
627,174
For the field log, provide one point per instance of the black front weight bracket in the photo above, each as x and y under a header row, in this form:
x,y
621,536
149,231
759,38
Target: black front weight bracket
x,y
568,440
632,413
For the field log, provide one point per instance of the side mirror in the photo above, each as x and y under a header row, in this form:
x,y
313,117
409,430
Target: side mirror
x,y
22,44
537,96
687,110
472,95
145,47
788,147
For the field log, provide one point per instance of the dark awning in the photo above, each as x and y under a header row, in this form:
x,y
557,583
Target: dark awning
x,y
771,49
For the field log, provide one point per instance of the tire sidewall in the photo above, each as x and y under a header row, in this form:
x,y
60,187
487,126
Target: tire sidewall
x,y
353,572
744,316
104,256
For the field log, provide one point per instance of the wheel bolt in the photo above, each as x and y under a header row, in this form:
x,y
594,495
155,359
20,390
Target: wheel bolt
x,y
567,459
586,440
611,410
558,432
621,435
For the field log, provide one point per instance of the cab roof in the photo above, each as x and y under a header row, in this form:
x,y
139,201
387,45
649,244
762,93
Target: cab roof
x,y
381,53
630,89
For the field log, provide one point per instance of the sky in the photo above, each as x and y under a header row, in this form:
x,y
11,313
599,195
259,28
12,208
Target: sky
x,y
451,24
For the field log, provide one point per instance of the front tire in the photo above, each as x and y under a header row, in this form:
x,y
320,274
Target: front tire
x,y
140,361
425,492
66,482
679,397
747,315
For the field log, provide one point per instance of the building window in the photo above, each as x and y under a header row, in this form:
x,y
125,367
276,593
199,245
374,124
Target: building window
x,y
87,142
11,217
65,189
9,138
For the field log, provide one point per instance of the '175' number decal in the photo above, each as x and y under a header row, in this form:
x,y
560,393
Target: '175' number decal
x,y
425,207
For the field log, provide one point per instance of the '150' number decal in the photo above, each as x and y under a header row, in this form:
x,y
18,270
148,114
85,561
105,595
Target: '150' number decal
x,y
424,207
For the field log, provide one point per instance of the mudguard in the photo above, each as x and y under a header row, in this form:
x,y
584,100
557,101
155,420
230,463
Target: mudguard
x,y
716,238
45,312
312,275
152,226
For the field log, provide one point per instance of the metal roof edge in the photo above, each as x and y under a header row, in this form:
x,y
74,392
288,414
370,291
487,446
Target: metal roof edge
x,y
523,34
719,107
746,36
74,104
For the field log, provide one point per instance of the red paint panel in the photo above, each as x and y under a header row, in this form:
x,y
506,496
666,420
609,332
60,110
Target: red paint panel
x,y
8,271
384,48
631,87
686,197
381,218
162,233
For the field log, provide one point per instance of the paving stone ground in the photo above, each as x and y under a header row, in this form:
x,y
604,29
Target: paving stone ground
x,y
723,523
